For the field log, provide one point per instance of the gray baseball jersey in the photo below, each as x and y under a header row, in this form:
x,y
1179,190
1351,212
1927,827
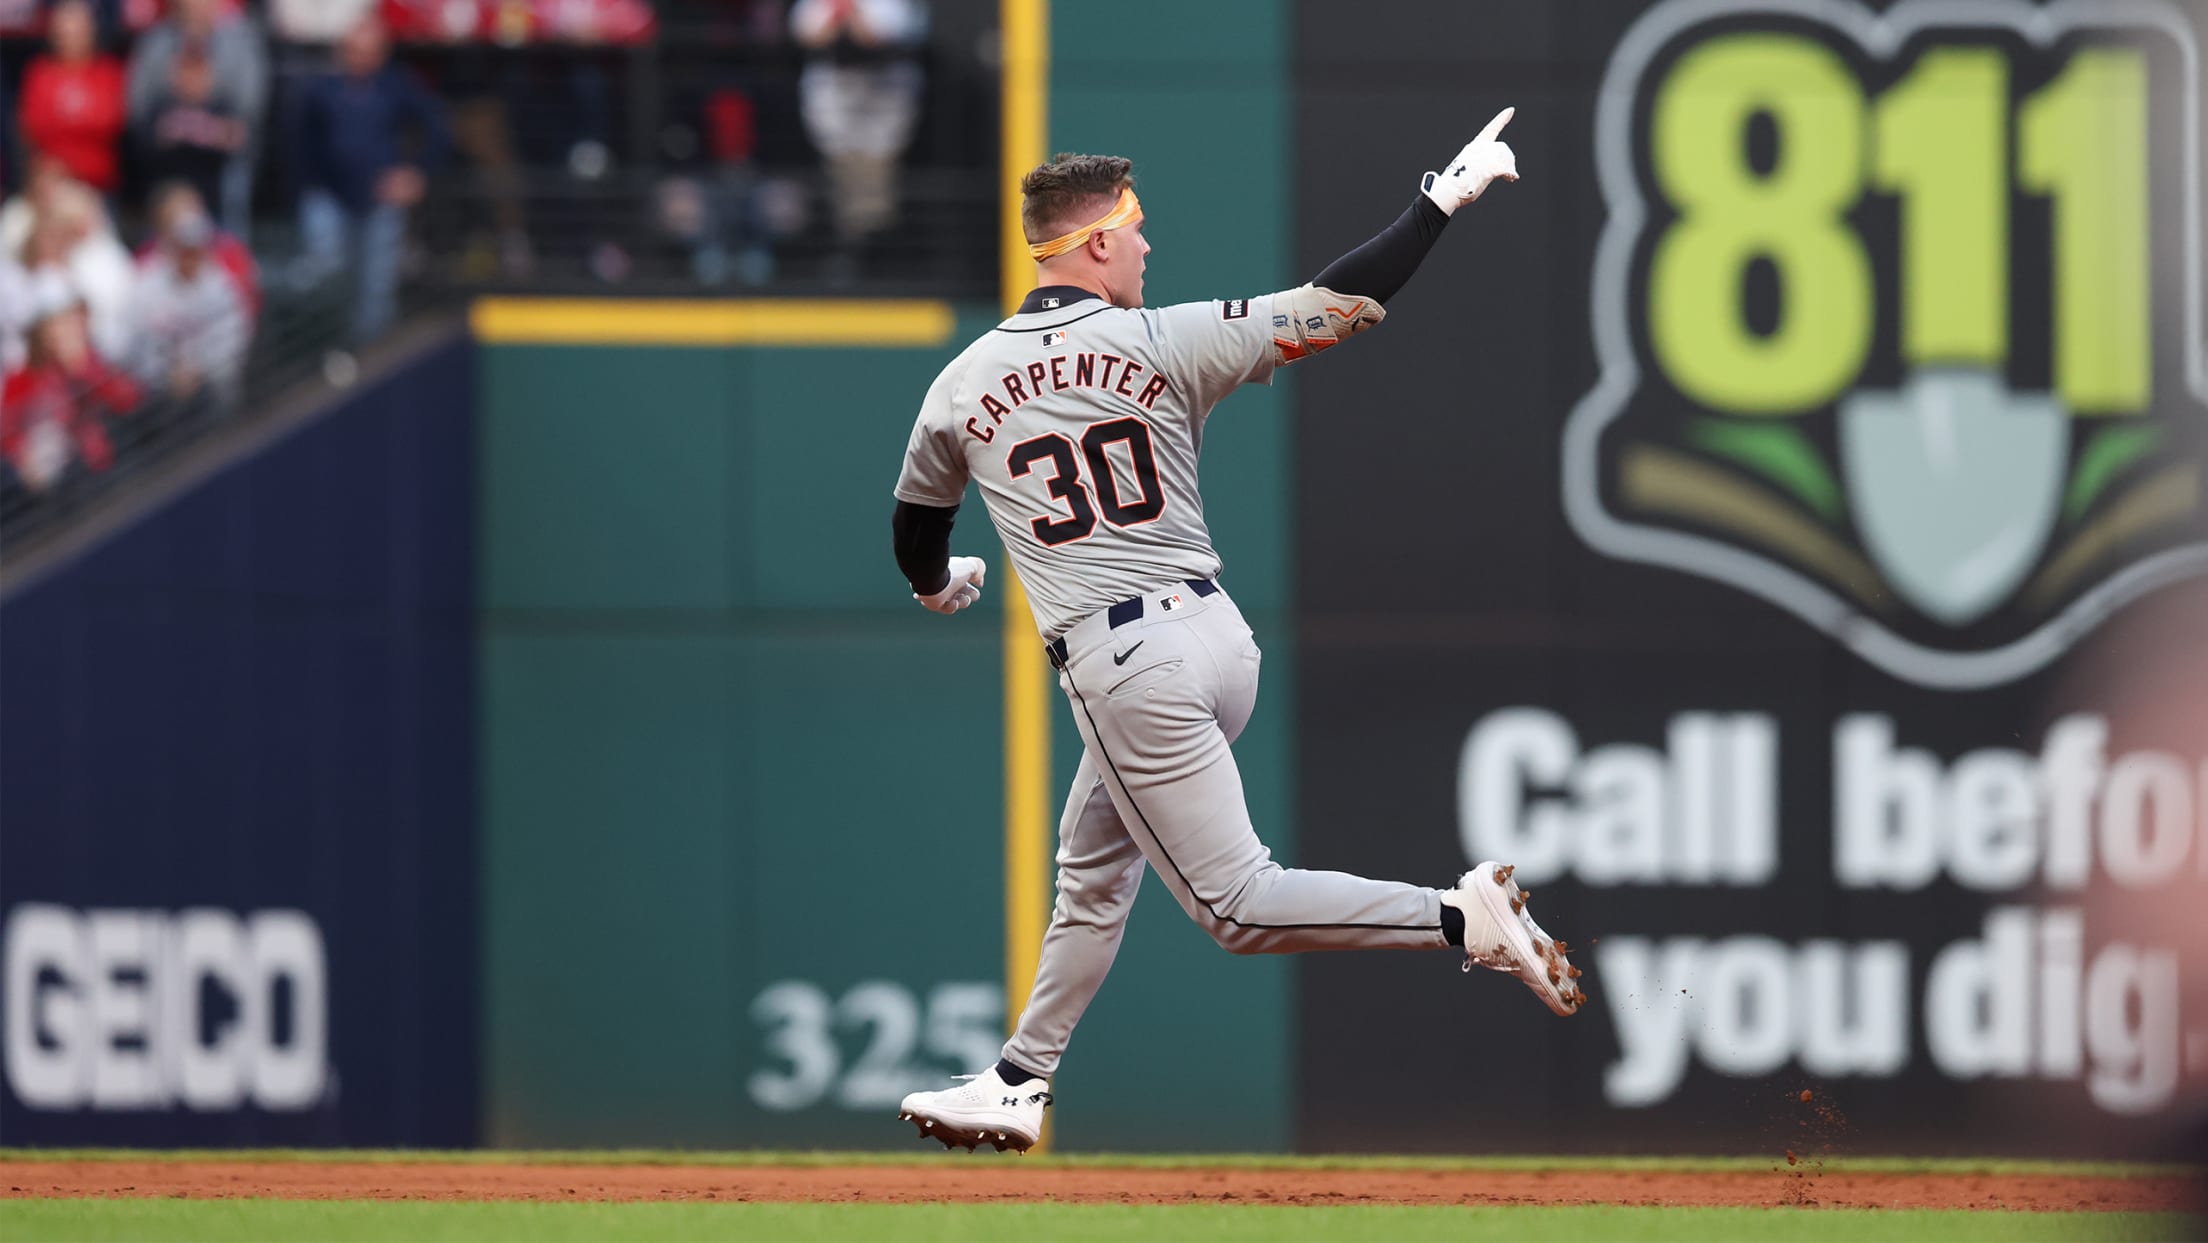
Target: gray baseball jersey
x,y
1082,422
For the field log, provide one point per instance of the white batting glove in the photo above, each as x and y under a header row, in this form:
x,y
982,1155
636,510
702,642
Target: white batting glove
x,y
1483,159
963,589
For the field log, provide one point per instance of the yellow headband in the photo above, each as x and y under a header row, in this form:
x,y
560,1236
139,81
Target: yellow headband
x,y
1122,212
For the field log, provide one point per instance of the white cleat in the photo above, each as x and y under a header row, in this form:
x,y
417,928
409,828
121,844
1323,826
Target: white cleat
x,y
1499,933
982,1109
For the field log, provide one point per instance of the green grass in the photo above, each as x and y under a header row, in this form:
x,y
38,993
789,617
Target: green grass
x,y
1223,1161
244,1221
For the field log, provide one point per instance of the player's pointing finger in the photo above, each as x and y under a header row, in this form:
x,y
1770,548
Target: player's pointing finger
x,y
1495,126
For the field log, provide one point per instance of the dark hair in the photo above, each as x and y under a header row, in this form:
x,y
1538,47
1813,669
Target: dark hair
x,y
1070,191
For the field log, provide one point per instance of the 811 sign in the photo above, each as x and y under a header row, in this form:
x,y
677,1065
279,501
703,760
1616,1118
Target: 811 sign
x,y
1900,318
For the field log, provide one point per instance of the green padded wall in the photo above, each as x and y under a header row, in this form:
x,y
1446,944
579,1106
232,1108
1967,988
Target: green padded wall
x,y
715,913
706,700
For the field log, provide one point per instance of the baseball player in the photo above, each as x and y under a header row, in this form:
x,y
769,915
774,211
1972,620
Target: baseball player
x,y
1080,417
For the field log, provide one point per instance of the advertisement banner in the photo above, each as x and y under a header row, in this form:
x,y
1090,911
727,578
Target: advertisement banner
x,y
1796,575
237,880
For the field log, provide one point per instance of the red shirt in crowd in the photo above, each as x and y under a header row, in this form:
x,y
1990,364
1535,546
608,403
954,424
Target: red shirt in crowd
x,y
34,398
76,114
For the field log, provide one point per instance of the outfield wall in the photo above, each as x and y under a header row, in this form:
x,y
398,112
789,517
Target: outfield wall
x,y
1838,688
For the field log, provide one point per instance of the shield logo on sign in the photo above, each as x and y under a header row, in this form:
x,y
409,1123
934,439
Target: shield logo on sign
x,y
1954,483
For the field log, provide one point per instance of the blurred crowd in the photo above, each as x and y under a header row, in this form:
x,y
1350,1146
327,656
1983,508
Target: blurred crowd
x,y
96,338
164,152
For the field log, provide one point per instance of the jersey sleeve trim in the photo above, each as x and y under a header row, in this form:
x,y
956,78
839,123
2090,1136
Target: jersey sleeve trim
x,y
917,496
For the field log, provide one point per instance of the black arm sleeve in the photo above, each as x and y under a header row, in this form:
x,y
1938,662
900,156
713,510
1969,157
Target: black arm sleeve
x,y
1379,268
921,536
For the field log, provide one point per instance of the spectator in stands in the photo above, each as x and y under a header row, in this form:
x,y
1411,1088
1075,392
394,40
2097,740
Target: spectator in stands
x,y
71,235
191,133
177,199
72,105
46,178
54,408
238,65
192,326
358,177
17,216
860,96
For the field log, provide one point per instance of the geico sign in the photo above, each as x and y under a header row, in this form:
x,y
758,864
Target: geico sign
x,y
138,1009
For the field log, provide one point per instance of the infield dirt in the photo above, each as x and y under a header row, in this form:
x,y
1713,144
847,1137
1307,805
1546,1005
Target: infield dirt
x,y
1009,1179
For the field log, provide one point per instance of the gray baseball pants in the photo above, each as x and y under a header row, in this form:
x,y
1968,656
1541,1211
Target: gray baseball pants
x,y
1157,700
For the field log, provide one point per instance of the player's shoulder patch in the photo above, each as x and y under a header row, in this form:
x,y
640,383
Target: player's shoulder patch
x,y
1235,308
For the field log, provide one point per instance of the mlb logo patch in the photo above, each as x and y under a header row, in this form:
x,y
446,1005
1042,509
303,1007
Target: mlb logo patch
x,y
1235,308
1170,603
1053,338
1050,304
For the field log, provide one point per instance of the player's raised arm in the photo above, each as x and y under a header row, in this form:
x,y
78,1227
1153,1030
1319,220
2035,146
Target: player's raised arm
x,y
1346,297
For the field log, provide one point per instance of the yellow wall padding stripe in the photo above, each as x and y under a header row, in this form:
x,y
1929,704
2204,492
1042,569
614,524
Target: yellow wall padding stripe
x,y
1028,825
741,321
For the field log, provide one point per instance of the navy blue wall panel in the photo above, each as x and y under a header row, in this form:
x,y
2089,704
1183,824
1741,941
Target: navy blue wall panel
x,y
236,799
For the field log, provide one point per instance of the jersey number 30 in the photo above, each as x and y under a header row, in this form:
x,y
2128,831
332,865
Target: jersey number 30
x,y
1067,485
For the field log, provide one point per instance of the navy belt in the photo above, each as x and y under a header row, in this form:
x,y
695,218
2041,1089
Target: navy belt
x,y
1121,613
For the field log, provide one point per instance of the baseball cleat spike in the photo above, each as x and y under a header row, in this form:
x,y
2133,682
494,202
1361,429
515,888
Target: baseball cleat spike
x,y
981,1111
1563,948
1500,934
1574,972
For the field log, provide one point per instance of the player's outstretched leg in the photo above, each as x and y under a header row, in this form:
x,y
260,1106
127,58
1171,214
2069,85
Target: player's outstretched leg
x,y
1158,702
